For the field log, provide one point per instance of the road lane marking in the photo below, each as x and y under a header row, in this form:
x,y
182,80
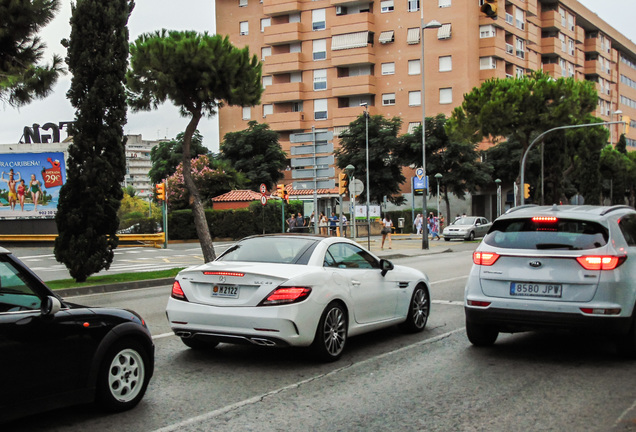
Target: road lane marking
x,y
448,302
449,280
163,335
256,399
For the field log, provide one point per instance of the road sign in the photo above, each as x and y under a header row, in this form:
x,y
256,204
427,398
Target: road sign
x,y
309,161
320,184
263,188
356,187
263,199
309,173
419,173
321,147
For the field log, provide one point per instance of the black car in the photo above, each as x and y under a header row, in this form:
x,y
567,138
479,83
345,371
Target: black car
x,y
55,354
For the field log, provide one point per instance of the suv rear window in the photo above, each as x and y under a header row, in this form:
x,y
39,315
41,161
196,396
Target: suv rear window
x,y
546,233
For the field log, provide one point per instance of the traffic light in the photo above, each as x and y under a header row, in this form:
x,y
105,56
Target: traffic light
x,y
160,191
343,184
286,197
526,190
489,7
627,121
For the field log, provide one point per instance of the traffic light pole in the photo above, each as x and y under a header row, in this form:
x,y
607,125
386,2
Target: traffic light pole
x,y
525,155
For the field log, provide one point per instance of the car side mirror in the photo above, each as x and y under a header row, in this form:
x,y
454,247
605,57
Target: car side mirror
x,y
50,306
385,265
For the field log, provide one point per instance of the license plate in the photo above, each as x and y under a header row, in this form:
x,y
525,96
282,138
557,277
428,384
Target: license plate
x,y
227,291
527,289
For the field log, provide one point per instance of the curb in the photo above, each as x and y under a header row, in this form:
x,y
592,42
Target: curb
x,y
123,286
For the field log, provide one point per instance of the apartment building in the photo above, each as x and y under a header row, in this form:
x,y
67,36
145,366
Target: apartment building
x,y
323,59
138,164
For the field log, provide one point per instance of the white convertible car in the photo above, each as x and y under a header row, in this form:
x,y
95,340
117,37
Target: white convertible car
x,y
295,290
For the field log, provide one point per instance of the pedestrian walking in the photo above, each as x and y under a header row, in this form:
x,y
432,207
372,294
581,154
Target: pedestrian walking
x,y
300,223
418,224
387,227
344,225
322,224
291,222
333,224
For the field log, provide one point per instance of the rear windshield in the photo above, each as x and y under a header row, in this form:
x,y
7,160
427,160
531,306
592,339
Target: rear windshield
x,y
566,234
286,250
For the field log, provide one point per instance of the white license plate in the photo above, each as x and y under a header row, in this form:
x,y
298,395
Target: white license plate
x,y
227,291
528,289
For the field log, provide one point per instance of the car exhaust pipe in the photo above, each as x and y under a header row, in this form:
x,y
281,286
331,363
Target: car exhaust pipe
x,y
184,334
262,342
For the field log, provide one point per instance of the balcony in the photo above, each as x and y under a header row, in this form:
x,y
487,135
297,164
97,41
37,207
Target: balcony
x,y
351,56
593,45
283,93
593,67
552,69
282,63
551,45
344,116
287,121
357,85
487,74
352,23
551,19
280,34
280,7
493,47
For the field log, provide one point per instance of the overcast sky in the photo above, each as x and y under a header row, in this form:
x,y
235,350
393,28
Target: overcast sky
x,y
150,15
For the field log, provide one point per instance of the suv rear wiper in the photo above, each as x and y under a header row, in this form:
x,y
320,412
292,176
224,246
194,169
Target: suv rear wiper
x,y
556,246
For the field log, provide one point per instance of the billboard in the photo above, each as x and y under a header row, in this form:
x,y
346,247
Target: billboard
x,y
30,184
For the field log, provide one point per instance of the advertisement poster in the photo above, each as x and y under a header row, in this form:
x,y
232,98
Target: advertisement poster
x,y
30,184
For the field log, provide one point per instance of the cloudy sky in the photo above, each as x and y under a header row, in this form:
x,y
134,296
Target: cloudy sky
x,y
150,15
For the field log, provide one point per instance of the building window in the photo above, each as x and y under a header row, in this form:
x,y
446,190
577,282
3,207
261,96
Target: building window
x,y
487,31
244,28
247,113
445,63
351,40
444,3
320,49
295,77
520,19
388,68
297,106
268,109
388,99
415,67
265,22
487,63
415,98
412,126
266,52
413,36
295,47
413,5
320,109
446,95
320,79
386,6
520,48
318,19
242,3
519,72
267,81
387,37
444,32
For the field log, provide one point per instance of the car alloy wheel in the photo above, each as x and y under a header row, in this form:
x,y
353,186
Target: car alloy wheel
x,y
331,335
419,309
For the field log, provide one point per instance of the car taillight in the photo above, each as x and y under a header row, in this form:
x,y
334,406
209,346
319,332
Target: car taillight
x,y
177,292
485,258
601,262
286,295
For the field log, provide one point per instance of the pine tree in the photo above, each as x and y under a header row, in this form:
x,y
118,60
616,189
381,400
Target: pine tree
x,y
21,78
87,219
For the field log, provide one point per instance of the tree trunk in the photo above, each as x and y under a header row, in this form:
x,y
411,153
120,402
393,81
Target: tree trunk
x,y
198,212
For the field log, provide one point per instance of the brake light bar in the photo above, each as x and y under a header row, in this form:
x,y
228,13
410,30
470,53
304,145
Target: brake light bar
x,y
485,258
223,273
545,219
601,262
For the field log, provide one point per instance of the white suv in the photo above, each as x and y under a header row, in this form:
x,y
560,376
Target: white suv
x,y
558,267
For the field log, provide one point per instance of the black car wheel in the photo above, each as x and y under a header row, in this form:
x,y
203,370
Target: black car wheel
x,y
331,335
481,335
626,344
419,309
471,236
123,377
198,344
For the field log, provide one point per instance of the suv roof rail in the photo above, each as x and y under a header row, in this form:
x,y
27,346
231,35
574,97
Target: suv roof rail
x,y
616,207
514,209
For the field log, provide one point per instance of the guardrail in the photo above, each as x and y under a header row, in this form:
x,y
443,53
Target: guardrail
x,y
155,240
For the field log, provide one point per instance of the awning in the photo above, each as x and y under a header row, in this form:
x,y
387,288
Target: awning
x,y
412,127
413,36
349,40
444,32
386,37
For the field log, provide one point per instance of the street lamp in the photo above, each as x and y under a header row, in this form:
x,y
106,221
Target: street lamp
x,y
617,112
349,169
366,122
498,183
438,177
431,25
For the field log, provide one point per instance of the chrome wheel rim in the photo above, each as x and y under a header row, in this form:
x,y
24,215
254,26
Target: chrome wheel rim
x,y
419,309
335,331
126,375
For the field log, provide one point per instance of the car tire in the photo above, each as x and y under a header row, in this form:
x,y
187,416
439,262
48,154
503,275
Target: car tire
x,y
471,236
626,344
331,334
447,239
481,335
199,345
123,376
419,310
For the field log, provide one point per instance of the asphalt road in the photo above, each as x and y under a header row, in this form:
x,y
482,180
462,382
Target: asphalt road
x,y
386,381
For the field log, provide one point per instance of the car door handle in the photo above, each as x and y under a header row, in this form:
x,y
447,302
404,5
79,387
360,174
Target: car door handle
x,y
355,282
